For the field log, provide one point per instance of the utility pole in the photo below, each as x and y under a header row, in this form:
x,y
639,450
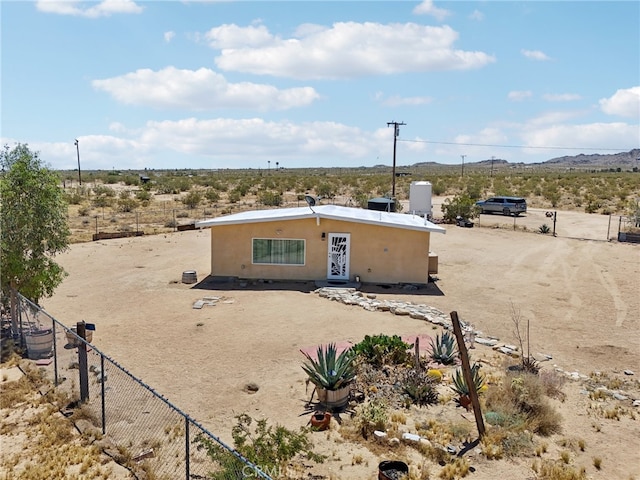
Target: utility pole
x,y
396,132
463,164
492,159
78,150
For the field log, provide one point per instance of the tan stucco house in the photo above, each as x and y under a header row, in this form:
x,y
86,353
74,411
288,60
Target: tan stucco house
x,y
325,242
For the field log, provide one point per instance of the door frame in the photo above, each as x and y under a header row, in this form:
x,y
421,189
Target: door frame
x,y
347,259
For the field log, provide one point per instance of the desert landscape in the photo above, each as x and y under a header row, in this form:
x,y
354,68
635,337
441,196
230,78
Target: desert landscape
x,y
579,295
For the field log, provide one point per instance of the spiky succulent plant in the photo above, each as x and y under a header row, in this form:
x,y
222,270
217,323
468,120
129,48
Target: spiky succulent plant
x,y
443,350
330,370
460,386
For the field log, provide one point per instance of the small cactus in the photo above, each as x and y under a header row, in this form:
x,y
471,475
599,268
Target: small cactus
x,y
435,375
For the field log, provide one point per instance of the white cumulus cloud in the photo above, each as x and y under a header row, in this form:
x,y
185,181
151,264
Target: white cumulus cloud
x,y
624,103
76,8
398,101
199,90
344,50
428,8
616,135
561,97
519,95
168,36
535,55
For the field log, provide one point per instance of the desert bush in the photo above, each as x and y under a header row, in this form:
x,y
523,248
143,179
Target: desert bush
x,y
524,394
212,195
76,195
460,205
192,198
544,229
270,198
143,195
84,210
269,448
103,190
126,204
234,196
557,470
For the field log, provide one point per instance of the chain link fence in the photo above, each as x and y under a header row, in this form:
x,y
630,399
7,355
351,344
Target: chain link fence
x,y
146,431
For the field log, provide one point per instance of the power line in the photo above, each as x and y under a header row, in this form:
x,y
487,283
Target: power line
x,y
512,146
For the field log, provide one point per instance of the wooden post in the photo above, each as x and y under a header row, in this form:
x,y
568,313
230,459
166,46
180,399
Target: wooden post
x,y
466,371
417,354
82,363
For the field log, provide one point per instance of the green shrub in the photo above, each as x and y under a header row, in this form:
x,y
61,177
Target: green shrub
x,y
460,205
270,198
383,349
192,199
143,195
269,448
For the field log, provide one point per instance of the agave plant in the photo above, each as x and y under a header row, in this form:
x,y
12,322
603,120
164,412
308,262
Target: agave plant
x,y
443,350
459,384
330,370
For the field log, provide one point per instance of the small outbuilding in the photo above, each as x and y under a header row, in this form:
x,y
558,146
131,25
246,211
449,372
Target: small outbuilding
x,y
321,243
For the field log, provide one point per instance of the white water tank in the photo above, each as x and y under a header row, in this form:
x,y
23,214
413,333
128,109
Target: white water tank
x,y
420,198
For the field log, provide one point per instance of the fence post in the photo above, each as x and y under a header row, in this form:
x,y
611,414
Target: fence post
x,y
186,447
555,215
82,363
104,404
55,353
466,371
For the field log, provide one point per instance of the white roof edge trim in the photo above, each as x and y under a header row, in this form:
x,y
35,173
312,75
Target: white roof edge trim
x,y
332,212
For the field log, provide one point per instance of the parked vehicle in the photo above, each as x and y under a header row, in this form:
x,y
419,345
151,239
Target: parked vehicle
x,y
505,205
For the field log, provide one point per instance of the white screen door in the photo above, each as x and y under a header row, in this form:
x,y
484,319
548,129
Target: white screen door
x,y
338,261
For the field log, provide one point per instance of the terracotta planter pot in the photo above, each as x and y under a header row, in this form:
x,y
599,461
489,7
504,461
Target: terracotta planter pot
x,y
320,420
334,399
465,401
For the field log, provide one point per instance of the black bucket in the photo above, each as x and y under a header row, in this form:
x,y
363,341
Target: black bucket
x,y
392,470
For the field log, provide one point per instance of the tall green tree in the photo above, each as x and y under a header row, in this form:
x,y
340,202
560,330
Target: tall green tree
x,y
33,225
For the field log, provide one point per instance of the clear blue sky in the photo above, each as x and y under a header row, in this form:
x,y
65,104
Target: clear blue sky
x,y
239,84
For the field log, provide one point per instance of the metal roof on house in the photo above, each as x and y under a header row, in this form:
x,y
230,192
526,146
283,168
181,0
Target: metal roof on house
x,y
333,212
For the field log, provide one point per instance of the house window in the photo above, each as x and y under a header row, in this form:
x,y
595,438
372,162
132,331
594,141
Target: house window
x,y
276,251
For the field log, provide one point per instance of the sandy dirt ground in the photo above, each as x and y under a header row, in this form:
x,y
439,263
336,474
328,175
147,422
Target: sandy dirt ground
x,y
581,297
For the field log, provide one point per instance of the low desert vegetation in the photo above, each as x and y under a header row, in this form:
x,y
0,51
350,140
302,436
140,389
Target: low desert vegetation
x,y
152,205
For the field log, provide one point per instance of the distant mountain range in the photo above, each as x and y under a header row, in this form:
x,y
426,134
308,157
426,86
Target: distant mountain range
x,y
628,159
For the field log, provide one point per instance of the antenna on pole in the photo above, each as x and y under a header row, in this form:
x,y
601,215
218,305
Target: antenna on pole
x,y
396,132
